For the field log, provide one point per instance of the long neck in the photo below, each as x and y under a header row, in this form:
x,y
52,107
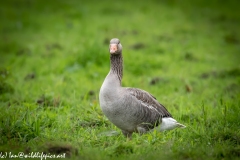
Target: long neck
x,y
117,65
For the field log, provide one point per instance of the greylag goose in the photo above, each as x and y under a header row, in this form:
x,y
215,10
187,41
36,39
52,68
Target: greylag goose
x,y
131,109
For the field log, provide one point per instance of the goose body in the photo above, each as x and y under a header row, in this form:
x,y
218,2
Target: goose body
x,y
131,109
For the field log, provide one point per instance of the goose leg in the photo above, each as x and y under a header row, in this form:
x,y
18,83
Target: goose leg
x,y
127,134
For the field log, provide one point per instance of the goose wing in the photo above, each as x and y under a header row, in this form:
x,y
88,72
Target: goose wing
x,y
149,103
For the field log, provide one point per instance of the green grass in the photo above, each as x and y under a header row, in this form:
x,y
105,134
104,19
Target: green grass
x,y
54,58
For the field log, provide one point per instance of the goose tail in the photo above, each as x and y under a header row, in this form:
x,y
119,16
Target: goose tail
x,y
169,123
181,125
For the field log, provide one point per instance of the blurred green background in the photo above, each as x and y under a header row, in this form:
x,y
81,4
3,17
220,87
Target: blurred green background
x,y
54,58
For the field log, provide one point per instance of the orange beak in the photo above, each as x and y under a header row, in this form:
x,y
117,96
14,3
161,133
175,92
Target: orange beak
x,y
113,48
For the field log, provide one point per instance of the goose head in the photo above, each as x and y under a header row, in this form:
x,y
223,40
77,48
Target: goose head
x,y
115,46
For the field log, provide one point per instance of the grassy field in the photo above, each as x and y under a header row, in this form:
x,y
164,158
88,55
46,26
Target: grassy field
x,y
54,57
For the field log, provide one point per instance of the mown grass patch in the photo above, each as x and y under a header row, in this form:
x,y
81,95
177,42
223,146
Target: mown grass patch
x,y
54,58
